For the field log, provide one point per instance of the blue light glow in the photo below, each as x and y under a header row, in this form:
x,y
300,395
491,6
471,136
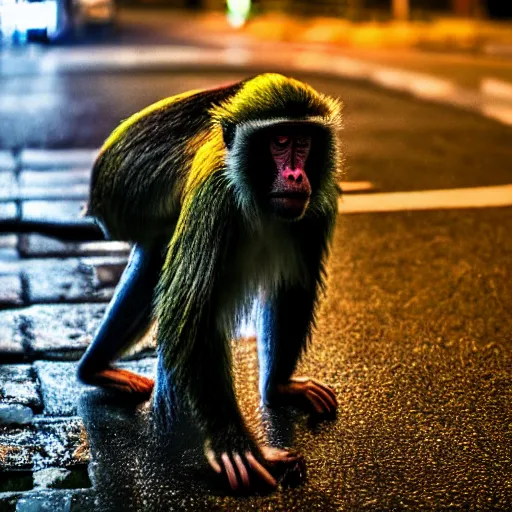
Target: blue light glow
x,y
23,16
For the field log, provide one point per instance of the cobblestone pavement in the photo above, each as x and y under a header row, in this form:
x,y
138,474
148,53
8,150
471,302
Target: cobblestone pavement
x,y
52,296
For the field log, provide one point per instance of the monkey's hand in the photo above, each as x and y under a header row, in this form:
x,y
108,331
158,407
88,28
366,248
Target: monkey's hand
x,y
252,467
306,393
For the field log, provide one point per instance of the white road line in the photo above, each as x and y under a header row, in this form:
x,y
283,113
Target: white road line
x,y
477,197
354,186
502,113
419,84
494,88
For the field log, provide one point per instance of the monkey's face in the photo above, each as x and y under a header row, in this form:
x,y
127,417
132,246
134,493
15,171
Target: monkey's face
x,y
282,168
290,191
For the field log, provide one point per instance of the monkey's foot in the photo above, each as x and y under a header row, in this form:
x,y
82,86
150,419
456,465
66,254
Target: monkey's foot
x,y
249,469
121,380
305,393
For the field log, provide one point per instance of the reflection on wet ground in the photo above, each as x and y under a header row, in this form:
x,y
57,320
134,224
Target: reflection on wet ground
x,y
138,464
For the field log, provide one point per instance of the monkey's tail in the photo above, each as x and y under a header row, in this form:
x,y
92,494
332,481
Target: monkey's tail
x,y
80,230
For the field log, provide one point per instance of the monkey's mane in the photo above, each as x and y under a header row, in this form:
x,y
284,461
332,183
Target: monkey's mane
x,y
270,96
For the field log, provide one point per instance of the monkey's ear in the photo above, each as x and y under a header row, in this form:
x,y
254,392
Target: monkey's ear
x,y
228,133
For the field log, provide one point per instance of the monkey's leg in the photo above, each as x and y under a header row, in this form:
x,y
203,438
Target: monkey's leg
x,y
128,314
284,329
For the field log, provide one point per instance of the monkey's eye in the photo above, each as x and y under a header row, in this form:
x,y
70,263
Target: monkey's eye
x,y
303,142
281,140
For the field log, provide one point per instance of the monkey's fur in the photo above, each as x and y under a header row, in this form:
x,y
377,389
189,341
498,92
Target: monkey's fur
x,y
186,180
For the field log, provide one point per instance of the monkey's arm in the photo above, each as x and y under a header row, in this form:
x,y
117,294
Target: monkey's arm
x,y
128,314
285,329
195,357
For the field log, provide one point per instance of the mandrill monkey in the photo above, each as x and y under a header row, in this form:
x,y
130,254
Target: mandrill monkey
x,y
228,195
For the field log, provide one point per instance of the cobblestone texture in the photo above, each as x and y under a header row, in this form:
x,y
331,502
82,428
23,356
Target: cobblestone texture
x,y
8,211
18,385
37,246
61,331
44,443
59,387
11,338
56,332
71,280
8,248
10,291
69,184
8,185
61,390
7,161
146,367
57,210
57,159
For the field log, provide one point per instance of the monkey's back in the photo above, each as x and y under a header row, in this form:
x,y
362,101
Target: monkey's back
x,y
140,173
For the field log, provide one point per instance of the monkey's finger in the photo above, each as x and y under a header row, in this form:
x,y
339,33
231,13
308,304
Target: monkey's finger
x,y
210,456
260,470
326,408
327,398
272,454
230,471
315,402
242,470
327,389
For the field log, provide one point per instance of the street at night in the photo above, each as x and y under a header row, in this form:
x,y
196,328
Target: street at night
x,y
414,332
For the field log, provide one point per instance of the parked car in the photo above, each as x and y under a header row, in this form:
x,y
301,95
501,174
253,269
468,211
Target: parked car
x,y
52,20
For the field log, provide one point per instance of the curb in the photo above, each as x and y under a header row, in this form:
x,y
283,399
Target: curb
x,y
282,57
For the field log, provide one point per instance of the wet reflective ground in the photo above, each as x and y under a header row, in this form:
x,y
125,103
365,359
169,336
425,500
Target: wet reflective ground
x,y
422,374
414,334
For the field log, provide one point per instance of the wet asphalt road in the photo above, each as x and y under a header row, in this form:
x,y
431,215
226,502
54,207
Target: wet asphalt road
x,y
415,332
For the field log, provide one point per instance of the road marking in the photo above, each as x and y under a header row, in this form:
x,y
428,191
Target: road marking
x,y
419,84
502,113
356,186
495,88
477,197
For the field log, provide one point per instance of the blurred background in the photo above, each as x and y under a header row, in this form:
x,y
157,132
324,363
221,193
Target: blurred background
x,y
67,20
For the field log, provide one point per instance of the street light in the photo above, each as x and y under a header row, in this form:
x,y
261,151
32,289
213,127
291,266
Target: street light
x,y
400,9
238,12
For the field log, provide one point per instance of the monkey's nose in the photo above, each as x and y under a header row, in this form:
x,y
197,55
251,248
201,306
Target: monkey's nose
x,y
295,175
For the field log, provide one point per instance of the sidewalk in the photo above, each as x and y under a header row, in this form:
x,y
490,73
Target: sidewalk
x,y
52,296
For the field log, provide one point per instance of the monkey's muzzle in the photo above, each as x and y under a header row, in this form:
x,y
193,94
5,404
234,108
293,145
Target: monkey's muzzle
x,y
289,205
